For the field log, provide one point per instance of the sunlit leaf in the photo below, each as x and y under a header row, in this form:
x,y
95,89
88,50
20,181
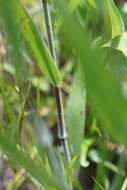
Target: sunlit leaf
x,y
75,3
118,43
91,3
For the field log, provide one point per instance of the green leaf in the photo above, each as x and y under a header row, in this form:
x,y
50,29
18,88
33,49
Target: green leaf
x,y
75,113
118,43
103,89
84,151
113,21
29,33
91,3
75,3
116,61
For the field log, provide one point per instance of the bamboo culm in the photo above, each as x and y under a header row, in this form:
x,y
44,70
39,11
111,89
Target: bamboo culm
x,y
62,133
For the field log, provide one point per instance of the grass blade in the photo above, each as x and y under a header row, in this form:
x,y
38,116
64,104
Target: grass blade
x,y
75,113
32,39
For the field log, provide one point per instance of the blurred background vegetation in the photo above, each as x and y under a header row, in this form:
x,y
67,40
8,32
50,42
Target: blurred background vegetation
x,y
90,42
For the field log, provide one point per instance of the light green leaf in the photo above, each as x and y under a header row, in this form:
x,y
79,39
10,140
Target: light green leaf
x,y
103,89
91,3
84,151
113,21
116,61
75,3
29,33
118,43
75,113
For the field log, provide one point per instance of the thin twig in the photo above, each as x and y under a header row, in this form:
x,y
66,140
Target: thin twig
x,y
62,134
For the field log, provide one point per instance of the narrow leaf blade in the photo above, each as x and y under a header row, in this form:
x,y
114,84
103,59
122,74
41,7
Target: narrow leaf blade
x,y
32,39
75,113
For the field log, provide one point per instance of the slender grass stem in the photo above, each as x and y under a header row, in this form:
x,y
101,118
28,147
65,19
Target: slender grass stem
x,y
62,134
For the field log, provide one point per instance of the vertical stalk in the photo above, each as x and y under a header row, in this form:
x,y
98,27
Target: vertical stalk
x,y
62,134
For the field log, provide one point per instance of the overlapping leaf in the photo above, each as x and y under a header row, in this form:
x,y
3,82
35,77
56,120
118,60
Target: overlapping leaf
x,y
29,33
113,22
103,88
119,43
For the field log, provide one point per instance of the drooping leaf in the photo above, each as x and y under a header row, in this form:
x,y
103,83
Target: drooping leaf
x,y
84,151
29,33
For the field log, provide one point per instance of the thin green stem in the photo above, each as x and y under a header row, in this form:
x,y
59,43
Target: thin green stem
x,y
62,134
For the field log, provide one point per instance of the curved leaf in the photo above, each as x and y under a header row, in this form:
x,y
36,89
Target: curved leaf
x,y
113,21
32,39
118,43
